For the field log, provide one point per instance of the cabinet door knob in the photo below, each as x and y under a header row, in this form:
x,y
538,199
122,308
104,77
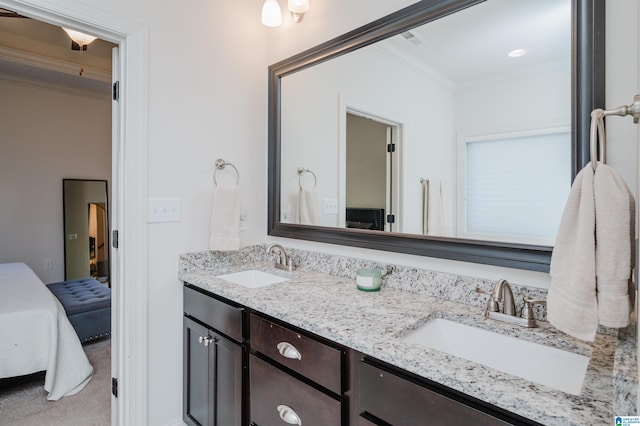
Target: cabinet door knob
x,y
207,340
287,350
288,415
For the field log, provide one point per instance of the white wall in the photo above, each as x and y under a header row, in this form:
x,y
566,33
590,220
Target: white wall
x,y
207,100
47,135
313,125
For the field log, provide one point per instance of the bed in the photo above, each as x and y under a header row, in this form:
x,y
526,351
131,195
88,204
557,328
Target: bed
x,y
36,335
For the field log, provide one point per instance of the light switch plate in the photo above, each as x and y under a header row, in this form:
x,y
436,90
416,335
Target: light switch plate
x,y
329,206
164,210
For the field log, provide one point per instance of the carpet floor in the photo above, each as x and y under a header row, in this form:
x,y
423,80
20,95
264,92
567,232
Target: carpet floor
x,y
25,403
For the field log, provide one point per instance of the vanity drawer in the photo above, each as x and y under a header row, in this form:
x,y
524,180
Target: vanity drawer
x,y
219,315
398,401
301,353
274,394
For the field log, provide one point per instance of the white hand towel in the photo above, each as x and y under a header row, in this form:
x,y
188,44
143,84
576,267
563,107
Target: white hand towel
x,y
439,218
615,238
308,206
571,301
225,219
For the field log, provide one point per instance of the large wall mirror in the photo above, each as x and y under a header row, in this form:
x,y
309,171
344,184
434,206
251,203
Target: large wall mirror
x,y
86,229
450,129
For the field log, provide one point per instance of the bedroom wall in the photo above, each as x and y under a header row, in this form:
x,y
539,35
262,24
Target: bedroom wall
x,y
48,134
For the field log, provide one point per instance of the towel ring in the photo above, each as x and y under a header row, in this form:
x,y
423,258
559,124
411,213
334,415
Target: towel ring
x,y
302,170
221,164
598,151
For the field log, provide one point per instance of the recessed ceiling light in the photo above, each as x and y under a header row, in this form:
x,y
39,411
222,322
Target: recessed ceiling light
x,y
516,53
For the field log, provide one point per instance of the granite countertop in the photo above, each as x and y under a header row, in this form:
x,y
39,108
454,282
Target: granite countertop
x,y
373,323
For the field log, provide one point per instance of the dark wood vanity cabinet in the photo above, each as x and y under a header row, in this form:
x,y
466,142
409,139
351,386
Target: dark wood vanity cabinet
x,y
213,391
244,368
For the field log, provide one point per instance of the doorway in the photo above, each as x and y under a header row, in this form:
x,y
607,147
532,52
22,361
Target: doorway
x,y
129,132
372,172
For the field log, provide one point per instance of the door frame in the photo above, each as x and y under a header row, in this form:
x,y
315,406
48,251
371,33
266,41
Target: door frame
x,y
129,192
394,165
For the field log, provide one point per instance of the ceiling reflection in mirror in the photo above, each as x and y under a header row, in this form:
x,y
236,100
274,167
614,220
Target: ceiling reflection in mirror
x,y
457,128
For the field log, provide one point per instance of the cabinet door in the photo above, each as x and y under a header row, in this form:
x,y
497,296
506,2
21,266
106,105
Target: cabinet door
x,y
226,361
198,377
212,394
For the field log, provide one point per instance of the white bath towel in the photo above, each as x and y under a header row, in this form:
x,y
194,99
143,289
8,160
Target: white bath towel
x,y
615,239
439,218
425,206
225,219
308,206
593,256
571,301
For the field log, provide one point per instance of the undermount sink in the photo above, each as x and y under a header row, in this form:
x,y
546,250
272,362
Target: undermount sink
x,y
253,278
545,365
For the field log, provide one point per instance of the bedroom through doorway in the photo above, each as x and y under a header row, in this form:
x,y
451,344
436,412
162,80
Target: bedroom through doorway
x,y
57,124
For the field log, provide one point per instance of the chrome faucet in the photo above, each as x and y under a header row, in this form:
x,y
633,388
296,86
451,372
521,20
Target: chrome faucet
x,y
502,293
283,261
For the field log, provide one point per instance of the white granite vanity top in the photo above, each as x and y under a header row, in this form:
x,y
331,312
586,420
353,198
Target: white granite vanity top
x,y
372,322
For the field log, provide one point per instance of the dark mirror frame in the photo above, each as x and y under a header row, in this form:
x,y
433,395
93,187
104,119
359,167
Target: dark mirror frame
x,y
587,93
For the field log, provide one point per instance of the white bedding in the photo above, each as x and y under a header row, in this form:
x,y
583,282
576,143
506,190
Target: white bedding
x,y
35,334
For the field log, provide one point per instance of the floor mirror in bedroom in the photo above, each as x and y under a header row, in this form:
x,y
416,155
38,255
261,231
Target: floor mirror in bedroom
x,y
86,229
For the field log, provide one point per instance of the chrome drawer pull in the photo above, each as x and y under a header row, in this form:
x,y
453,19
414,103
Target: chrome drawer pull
x,y
287,350
288,415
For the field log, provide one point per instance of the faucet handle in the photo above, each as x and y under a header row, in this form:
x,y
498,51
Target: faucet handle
x,y
492,304
530,300
527,310
290,265
482,291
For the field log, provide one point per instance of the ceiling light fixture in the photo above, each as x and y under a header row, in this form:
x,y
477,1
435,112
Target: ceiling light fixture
x,y
79,41
271,14
516,53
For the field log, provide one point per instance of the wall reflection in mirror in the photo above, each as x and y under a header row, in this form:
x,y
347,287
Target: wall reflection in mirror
x,y
86,229
444,130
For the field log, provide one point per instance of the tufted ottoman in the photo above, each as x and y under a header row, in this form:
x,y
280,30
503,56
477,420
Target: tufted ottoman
x,y
88,306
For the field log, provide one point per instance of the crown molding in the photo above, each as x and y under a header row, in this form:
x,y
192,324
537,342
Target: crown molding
x,y
52,64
